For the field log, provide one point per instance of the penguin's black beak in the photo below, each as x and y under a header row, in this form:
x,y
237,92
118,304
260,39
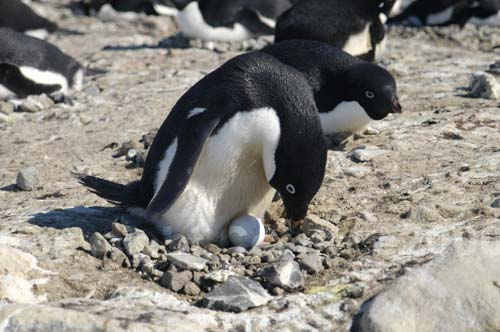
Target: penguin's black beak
x,y
396,106
296,226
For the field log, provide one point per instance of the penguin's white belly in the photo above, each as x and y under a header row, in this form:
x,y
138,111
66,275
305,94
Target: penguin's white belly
x,y
228,181
359,43
441,17
193,25
348,116
45,77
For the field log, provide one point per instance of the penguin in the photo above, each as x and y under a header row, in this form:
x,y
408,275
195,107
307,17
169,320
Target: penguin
x,y
356,26
349,93
16,15
32,66
244,131
148,7
447,12
229,20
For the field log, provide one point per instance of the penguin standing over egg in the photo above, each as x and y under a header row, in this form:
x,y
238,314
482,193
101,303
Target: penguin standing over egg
x,y
356,26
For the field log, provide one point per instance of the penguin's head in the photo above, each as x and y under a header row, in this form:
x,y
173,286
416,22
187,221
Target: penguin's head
x,y
299,169
374,88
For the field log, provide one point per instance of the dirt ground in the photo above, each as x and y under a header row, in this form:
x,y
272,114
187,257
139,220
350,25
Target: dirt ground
x,y
443,153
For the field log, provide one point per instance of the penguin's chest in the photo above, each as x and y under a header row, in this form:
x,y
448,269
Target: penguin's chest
x,y
193,25
346,117
359,43
228,181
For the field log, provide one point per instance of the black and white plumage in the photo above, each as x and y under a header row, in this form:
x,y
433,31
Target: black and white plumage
x,y
149,7
32,66
245,130
18,16
447,12
229,20
349,93
356,26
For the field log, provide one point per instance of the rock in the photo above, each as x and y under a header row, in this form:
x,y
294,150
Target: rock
x,y
6,107
27,179
191,289
367,153
369,217
137,259
237,294
302,240
357,172
135,242
187,262
237,250
180,243
120,230
496,204
458,291
34,104
99,246
219,276
119,257
175,281
5,118
318,236
213,248
312,263
423,214
151,251
313,223
484,85
284,273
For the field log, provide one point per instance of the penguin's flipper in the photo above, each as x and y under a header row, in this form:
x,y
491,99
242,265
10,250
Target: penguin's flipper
x,y
189,145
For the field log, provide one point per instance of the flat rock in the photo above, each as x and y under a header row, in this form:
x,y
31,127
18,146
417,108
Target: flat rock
x,y
180,243
312,263
459,291
357,172
362,155
135,242
27,179
237,294
284,273
187,262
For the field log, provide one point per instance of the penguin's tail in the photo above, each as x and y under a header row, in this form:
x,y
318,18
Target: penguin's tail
x,y
115,193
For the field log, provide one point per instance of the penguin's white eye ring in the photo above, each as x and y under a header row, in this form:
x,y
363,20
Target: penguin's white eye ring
x,y
290,188
369,95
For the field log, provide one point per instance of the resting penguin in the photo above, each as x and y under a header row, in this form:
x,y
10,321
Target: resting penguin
x,y
245,130
356,26
149,7
229,20
32,66
16,15
349,93
447,12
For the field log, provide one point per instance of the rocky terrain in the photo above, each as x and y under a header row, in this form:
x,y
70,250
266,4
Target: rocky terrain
x,y
405,231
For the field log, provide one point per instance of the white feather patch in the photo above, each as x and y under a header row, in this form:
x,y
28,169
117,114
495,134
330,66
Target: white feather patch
x,y
267,21
348,116
164,165
359,43
165,10
196,111
38,33
193,25
45,77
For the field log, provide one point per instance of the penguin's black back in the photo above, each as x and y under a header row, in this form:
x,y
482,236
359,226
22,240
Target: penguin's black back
x,y
16,15
17,49
331,21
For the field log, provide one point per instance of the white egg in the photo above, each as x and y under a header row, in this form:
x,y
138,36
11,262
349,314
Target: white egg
x,y
246,231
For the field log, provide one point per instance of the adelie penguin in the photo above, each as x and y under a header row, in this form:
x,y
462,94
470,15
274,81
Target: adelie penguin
x,y
229,20
356,26
30,66
447,12
16,15
349,93
149,7
245,130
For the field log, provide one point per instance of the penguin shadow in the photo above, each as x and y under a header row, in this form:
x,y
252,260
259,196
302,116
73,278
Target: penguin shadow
x,y
88,219
176,41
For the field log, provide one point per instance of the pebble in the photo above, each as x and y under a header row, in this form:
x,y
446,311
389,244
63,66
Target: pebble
x,y
313,223
284,273
34,104
27,179
312,263
5,118
496,204
484,85
120,230
119,257
191,288
175,281
302,240
357,172
135,242
137,259
99,247
369,217
363,155
187,262
237,250
423,214
213,248
237,294
180,243
6,107
151,250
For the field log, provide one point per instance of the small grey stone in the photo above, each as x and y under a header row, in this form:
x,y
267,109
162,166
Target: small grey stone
x,y
119,257
27,179
361,155
34,104
302,240
313,223
116,242
423,214
92,90
312,263
135,242
284,273
175,281
120,230
99,246
369,217
151,251
237,250
180,243
318,236
187,262
6,107
219,276
191,289
237,294
137,259
483,85
496,203
213,248
357,172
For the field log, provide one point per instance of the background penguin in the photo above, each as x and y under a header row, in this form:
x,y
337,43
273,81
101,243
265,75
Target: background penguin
x,y
243,131
229,20
149,7
446,12
357,26
349,93
16,15
32,66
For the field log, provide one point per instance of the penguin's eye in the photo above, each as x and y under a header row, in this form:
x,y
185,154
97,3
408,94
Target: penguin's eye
x,y
290,188
369,95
